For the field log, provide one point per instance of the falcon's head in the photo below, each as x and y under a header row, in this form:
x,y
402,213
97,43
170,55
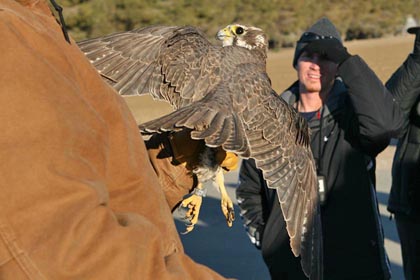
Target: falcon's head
x,y
243,36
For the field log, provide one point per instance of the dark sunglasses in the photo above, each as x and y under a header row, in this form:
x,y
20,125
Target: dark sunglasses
x,y
309,37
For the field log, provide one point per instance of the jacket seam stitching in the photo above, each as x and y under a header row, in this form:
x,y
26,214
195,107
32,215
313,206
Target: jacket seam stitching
x,y
21,257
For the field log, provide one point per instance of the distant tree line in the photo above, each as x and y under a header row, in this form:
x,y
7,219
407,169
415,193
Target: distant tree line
x,y
282,20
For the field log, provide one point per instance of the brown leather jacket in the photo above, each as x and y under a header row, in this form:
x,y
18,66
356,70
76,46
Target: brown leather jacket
x,y
79,198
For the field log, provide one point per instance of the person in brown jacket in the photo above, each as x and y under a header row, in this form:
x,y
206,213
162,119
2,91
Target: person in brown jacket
x,y
79,197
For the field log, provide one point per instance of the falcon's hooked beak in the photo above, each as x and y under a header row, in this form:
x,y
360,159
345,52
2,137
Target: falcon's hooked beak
x,y
230,33
225,35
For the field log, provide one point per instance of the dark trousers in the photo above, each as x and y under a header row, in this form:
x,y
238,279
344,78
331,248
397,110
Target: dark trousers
x,y
409,233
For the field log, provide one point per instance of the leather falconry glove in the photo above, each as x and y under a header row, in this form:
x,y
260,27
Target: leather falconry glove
x,y
331,48
176,180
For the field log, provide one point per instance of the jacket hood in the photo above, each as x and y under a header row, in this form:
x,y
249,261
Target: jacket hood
x,y
321,29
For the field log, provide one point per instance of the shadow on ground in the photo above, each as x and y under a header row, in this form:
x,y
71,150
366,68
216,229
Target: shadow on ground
x,y
228,250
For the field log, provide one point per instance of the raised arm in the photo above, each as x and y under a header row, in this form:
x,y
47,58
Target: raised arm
x,y
404,84
373,117
377,117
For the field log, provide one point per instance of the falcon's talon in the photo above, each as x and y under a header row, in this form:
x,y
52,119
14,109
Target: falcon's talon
x,y
229,214
227,206
193,203
230,217
225,202
188,229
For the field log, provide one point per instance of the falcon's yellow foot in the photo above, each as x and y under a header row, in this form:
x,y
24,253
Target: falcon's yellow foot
x,y
227,209
193,203
225,201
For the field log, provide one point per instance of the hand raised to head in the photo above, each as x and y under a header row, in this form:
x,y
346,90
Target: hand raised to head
x,y
330,48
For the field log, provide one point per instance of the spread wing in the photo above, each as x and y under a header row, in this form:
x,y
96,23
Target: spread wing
x,y
225,97
176,64
247,117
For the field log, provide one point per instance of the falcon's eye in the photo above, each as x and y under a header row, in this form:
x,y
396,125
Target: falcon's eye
x,y
239,30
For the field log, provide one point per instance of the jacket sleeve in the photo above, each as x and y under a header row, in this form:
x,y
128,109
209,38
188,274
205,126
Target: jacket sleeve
x,y
375,116
404,85
252,200
79,198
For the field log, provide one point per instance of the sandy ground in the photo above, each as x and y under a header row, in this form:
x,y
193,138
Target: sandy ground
x,y
227,250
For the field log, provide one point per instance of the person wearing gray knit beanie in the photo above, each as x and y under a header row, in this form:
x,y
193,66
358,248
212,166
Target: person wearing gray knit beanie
x,y
351,117
321,29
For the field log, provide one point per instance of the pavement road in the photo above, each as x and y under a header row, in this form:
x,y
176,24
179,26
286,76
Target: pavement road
x,y
229,251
